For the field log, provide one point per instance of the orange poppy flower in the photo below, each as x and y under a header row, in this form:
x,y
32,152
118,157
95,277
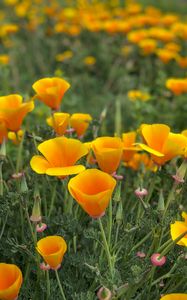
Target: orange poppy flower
x,y
92,189
174,297
51,91
161,143
108,152
179,228
11,280
59,157
80,123
52,249
13,110
129,149
59,122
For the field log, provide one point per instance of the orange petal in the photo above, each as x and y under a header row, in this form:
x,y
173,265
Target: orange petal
x,y
39,164
11,280
150,150
59,121
176,230
80,122
65,171
174,297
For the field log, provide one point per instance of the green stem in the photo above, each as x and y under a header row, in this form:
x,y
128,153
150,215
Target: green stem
x,y
48,284
3,227
169,199
106,247
60,286
109,223
142,241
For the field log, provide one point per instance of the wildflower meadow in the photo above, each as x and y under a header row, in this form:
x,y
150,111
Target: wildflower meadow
x,y
93,150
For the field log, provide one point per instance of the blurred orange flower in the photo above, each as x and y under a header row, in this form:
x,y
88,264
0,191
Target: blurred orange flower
x,y
59,157
59,122
51,91
108,152
92,189
52,249
13,110
11,280
80,123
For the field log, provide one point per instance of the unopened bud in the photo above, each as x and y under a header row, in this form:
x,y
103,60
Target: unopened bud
x,y
157,260
104,294
36,214
140,193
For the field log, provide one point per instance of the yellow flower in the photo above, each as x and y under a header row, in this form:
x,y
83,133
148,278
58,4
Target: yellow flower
x,y
108,152
147,46
177,85
15,137
51,90
13,110
92,189
59,157
174,297
179,228
59,122
52,249
64,56
4,59
11,280
80,123
89,60
134,95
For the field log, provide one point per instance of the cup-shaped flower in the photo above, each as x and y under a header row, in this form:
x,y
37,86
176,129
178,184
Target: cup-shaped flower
x,y
129,149
174,297
59,157
52,249
92,189
13,110
59,121
80,123
108,152
179,228
51,91
162,144
11,280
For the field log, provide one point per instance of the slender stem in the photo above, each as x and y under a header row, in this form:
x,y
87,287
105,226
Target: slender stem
x,y
3,227
1,178
48,284
60,286
106,247
142,241
169,199
52,200
109,222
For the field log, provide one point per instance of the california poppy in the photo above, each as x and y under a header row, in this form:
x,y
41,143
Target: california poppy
x,y
162,144
129,149
80,123
51,91
13,110
92,189
108,152
59,157
52,249
11,280
59,121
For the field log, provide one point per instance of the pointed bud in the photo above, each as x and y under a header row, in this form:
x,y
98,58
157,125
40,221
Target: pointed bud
x,y
179,176
117,195
23,186
161,204
3,150
119,213
36,214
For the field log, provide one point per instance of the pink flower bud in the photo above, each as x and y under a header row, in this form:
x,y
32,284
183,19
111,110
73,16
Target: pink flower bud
x,y
141,192
156,261
140,254
178,179
44,267
17,175
117,176
41,227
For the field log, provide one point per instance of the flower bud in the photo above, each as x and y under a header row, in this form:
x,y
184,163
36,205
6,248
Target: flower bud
x,y
104,294
157,261
140,193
